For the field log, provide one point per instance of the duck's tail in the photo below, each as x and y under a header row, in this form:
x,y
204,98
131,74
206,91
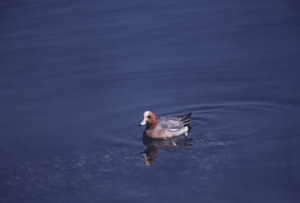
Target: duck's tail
x,y
186,119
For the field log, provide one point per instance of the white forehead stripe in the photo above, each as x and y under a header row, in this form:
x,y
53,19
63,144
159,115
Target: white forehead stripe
x,y
146,113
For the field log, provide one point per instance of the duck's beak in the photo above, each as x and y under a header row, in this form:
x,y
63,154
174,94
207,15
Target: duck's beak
x,y
142,123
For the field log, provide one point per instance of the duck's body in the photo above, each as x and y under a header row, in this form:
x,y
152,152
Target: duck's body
x,y
165,127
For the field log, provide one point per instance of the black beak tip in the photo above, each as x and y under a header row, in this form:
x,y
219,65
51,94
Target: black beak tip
x,y
140,125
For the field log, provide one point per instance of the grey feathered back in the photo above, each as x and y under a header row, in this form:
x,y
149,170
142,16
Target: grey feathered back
x,y
175,122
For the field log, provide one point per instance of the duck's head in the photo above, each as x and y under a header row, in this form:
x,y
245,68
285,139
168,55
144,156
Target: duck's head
x,y
149,119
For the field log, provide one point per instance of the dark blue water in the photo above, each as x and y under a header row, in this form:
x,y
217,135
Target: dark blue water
x,y
76,77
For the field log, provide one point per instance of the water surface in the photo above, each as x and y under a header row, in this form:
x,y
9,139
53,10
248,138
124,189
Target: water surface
x,y
76,77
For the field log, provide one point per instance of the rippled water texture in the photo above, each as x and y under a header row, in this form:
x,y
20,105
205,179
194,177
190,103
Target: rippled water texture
x,y
77,76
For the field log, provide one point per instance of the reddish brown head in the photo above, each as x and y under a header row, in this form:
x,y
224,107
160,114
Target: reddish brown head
x,y
150,120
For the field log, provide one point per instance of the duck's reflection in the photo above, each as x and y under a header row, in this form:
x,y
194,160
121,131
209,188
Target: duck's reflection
x,y
153,144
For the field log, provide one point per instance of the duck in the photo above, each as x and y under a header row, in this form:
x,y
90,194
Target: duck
x,y
165,127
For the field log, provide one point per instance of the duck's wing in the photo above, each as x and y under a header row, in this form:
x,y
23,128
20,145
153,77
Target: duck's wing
x,y
170,123
174,123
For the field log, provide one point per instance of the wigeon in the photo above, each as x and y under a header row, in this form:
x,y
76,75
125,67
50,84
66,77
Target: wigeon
x,y
165,127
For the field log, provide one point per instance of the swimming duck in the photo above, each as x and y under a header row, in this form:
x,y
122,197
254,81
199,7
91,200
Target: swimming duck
x,y
165,127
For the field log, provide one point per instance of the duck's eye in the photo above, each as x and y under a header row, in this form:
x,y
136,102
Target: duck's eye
x,y
149,117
